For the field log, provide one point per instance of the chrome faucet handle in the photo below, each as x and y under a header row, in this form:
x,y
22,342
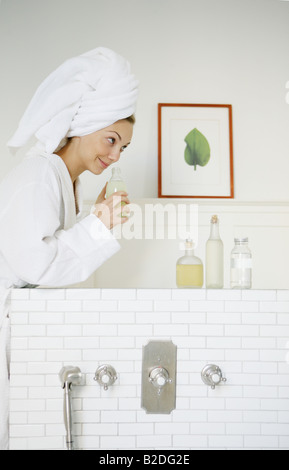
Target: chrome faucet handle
x,y
159,377
212,375
105,375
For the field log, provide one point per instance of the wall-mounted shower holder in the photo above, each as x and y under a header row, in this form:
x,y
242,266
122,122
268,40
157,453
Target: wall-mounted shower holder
x,y
105,376
212,376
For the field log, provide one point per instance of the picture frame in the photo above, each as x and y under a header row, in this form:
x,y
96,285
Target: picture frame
x,y
195,151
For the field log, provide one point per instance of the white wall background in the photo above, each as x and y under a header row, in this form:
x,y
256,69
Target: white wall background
x,y
152,263
199,51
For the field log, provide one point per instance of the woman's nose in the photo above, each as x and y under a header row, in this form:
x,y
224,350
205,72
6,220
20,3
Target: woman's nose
x,y
115,155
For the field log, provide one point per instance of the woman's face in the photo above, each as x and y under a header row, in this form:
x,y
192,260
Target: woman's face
x,y
99,150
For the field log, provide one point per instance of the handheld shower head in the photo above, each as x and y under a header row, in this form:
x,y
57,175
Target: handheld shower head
x,y
69,375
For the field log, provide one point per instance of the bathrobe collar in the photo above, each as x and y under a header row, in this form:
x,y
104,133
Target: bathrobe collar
x,y
71,196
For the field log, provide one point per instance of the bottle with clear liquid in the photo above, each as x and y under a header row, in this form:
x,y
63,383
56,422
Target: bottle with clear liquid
x,y
241,265
115,183
189,269
214,257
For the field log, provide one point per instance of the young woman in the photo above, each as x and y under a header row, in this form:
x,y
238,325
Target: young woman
x,y
82,117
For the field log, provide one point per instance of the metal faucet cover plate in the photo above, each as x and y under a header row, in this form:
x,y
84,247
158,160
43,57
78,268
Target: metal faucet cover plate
x,y
105,375
212,375
159,377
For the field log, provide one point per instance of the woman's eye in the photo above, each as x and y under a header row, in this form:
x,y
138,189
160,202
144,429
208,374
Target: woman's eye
x,y
111,140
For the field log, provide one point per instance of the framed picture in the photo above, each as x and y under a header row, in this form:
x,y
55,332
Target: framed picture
x,y
195,144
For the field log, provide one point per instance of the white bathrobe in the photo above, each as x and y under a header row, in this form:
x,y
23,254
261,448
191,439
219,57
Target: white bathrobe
x,y
42,239
42,242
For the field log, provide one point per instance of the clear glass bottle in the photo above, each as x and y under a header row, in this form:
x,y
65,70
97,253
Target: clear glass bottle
x,y
189,269
115,183
241,265
214,257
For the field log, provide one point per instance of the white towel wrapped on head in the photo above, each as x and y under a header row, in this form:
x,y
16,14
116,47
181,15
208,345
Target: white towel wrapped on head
x,y
83,95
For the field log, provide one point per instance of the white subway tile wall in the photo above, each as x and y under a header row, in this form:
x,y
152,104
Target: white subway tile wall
x,y
245,333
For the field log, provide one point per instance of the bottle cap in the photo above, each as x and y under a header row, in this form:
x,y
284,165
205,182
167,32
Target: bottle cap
x,y
189,244
241,240
214,219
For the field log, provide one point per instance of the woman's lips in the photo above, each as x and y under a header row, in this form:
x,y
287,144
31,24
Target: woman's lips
x,y
104,165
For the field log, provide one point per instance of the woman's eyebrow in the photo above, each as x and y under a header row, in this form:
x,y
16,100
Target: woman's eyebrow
x,y
117,134
120,137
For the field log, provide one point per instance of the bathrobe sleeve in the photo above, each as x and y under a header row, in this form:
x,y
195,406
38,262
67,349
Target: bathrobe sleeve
x,y
39,252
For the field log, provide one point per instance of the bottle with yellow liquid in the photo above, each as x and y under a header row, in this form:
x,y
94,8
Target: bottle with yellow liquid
x,y
190,271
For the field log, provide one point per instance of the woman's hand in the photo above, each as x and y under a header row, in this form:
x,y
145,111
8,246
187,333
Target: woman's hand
x,y
111,211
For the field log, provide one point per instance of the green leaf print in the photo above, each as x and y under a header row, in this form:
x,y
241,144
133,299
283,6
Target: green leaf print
x,y
198,150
